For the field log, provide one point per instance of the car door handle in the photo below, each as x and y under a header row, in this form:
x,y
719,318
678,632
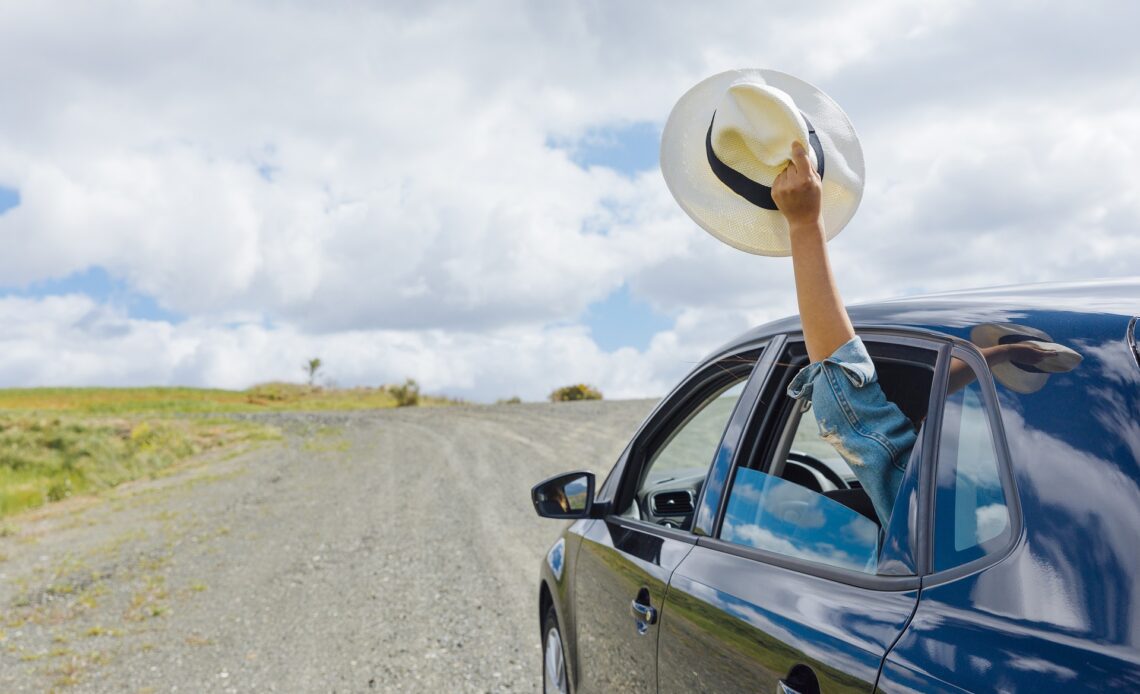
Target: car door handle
x,y
643,613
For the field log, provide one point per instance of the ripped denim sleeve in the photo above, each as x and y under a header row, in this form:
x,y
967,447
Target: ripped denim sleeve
x,y
870,432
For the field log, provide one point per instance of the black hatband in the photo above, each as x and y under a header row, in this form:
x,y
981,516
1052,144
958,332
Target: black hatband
x,y
756,193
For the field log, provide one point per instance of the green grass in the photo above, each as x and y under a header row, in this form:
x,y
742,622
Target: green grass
x,y
267,396
61,442
50,457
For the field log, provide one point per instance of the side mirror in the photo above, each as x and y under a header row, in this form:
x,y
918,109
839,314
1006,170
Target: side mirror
x,y
570,495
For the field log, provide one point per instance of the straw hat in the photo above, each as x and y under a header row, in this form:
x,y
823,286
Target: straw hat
x,y
1025,378
728,138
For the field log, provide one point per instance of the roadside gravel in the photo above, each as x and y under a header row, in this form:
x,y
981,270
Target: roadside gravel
x,y
394,550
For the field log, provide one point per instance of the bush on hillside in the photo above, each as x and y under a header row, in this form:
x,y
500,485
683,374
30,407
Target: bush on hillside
x,y
407,395
579,391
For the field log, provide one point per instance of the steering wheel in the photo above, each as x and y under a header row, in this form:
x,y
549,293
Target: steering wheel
x,y
791,510
820,467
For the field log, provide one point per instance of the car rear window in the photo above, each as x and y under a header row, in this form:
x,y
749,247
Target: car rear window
x,y
971,513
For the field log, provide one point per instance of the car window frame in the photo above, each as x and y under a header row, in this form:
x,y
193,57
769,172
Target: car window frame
x,y
1132,337
712,497
969,353
941,345
676,408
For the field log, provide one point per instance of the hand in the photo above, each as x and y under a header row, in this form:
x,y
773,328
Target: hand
x,y
1021,352
1028,353
797,190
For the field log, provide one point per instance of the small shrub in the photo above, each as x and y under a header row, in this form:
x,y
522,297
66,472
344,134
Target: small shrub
x,y
59,490
579,391
513,400
407,395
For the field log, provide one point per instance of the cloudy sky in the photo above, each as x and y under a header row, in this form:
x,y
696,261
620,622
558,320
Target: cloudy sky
x,y
209,193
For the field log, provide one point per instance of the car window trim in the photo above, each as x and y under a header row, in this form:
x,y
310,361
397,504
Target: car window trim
x,y
710,527
923,541
651,528
938,343
1131,337
991,404
707,513
810,568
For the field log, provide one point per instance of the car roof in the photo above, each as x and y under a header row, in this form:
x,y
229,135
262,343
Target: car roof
x,y
1056,308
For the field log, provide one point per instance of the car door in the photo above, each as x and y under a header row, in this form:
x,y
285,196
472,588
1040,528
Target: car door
x,y
798,589
1026,592
626,558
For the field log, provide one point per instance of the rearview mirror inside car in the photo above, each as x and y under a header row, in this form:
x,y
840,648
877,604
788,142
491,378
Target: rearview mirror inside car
x,y
570,495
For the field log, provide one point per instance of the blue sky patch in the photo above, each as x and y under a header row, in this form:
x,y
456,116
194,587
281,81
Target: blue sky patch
x,y
102,287
627,149
619,320
9,198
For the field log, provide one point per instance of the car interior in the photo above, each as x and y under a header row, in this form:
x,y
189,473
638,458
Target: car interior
x,y
801,456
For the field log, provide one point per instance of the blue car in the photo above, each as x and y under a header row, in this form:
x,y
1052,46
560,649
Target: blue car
x,y
732,549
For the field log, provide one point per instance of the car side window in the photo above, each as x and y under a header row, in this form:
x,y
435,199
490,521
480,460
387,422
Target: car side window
x,y
677,457
808,505
799,497
971,514
696,439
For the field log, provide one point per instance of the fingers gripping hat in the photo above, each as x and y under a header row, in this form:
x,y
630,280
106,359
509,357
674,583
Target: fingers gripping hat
x,y
728,138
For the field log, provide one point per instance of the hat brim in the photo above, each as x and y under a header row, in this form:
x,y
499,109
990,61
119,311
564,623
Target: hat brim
x,y
1008,374
720,211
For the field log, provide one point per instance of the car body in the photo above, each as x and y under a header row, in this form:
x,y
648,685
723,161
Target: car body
x,y
1011,561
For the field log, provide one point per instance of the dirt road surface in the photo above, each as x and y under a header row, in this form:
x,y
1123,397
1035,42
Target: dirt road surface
x,y
383,551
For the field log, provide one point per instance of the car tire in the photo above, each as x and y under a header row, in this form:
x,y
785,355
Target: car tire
x,y
554,675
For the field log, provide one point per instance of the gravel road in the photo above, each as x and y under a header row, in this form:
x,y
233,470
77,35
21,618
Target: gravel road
x,y
393,550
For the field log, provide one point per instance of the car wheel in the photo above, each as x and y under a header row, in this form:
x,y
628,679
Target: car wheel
x,y
554,679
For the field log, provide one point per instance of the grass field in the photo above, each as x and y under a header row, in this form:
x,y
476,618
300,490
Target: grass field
x,y
60,442
45,457
269,396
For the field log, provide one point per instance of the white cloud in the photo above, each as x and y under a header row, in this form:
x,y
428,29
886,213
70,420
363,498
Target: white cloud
x,y
376,183
72,340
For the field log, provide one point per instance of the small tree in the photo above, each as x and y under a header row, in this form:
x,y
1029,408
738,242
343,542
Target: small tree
x,y
578,391
312,367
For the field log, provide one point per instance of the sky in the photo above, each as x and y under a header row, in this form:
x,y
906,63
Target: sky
x,y
467,193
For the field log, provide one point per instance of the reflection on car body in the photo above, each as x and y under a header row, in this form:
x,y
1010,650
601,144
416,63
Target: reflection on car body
x,y
731,549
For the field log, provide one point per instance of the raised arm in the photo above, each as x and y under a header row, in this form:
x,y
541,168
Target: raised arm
x,y
797,191
848,402
961,375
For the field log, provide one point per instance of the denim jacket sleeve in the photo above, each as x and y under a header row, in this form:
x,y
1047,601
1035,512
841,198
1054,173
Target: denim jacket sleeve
x,y
867,430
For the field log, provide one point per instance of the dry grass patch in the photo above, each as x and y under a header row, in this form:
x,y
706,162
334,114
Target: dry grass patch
x,y
179,401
